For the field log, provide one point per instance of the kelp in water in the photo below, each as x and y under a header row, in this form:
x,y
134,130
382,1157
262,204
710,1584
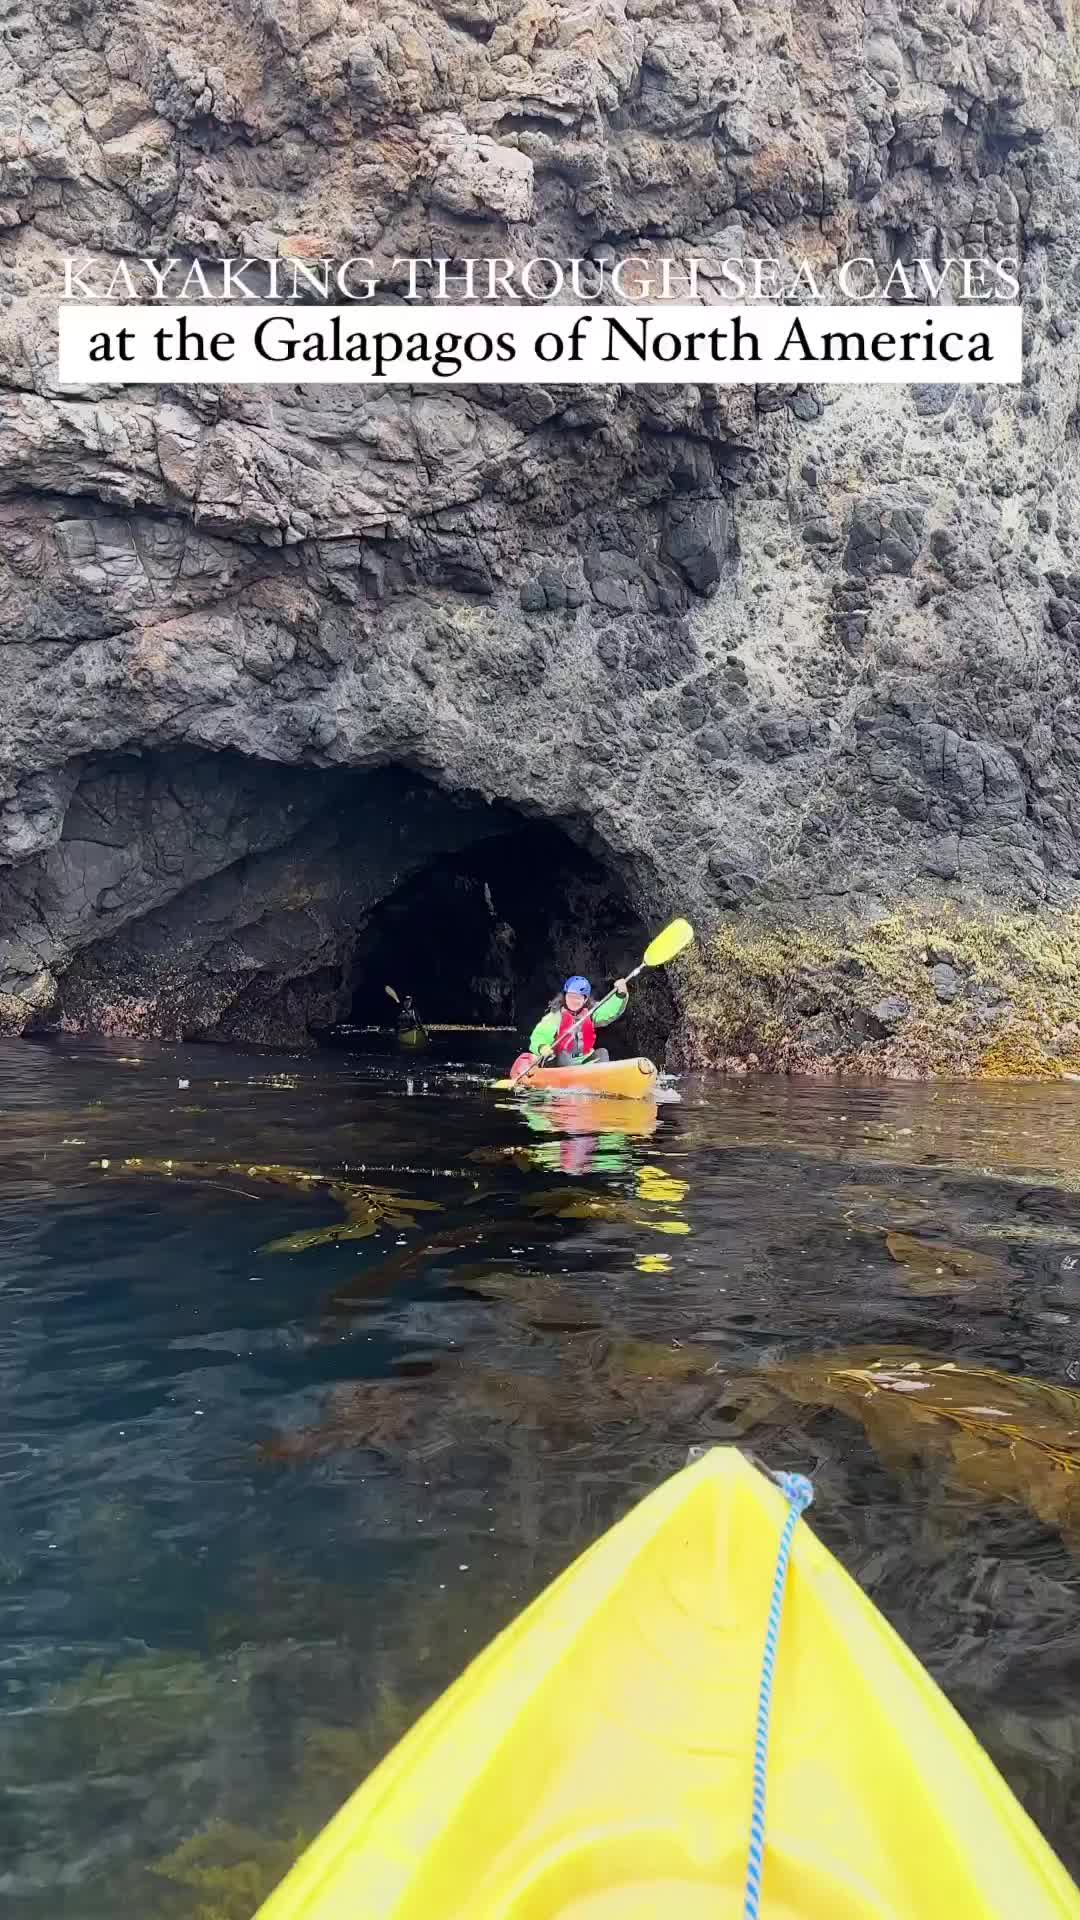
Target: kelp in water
x,y
404,1417
600,1380
654,1188
930,1267
537,1299
380,1281
366,1208
1004,1436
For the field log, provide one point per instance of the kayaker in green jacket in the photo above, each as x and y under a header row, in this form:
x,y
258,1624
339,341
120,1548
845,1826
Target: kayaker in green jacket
x,y
556,1030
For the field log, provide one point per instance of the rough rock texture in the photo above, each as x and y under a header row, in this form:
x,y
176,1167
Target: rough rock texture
x,y
759,649
211,886
915,993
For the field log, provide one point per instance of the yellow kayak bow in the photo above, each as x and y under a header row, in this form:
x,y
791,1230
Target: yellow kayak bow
x,y
595,1762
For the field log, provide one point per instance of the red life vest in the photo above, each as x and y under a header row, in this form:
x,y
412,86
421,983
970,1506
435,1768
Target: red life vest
x,y
584,1039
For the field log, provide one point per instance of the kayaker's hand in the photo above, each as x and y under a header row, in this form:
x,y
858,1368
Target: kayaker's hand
x,y
622,989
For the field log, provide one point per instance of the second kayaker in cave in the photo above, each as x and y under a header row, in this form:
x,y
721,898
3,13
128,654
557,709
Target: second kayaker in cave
x,y
411,1031
568,1028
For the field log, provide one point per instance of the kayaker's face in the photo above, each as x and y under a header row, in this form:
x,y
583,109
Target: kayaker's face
x,y
574,1002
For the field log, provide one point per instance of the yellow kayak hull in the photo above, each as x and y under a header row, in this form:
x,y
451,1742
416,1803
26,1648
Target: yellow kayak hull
x,y
616,1079
595,1762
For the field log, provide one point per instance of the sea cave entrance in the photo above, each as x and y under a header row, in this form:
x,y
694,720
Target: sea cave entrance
x,y
216,897
484,936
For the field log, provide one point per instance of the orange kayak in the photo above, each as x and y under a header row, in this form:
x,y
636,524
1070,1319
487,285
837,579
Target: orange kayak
x,y
619,1079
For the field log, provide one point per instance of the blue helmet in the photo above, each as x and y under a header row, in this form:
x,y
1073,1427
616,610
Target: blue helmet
x,y
577,983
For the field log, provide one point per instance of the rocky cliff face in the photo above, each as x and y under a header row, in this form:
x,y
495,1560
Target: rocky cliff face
x,y
774,652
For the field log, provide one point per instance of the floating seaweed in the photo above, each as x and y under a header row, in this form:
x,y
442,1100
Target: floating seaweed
x,y
1004,1436
303,1242
497,1156
366,1208
386,1415
260,1173
149,1709
602,1380
570,1203
564,1203
230,1868
377,1414
883,1204
388,1273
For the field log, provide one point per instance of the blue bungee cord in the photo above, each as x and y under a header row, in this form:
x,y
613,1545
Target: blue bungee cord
x,y
799,1493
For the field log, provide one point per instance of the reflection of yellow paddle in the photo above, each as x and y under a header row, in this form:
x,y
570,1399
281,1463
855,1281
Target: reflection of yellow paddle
x,y
672,940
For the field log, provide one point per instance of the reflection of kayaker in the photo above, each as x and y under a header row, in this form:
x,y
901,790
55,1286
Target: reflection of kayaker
x,y
591,1135
574,1152
593,1113
577,1153
568,1028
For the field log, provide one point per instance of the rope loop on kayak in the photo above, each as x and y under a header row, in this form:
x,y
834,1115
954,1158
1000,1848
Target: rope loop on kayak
x,y
799,1493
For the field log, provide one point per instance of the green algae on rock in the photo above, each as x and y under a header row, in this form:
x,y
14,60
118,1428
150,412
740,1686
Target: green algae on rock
x,y
916,993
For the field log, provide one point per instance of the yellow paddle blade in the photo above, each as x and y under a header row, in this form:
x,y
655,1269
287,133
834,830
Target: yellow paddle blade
x,y
392,994
668,943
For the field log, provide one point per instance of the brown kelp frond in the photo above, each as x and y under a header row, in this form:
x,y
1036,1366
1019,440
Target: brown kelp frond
x,y
1005,1436
366,1208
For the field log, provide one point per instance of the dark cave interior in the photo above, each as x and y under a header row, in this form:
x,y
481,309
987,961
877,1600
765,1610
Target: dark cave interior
x,y
211,896
487,935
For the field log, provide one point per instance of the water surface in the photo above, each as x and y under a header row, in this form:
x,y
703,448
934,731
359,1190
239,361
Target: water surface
x,y
259,1501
